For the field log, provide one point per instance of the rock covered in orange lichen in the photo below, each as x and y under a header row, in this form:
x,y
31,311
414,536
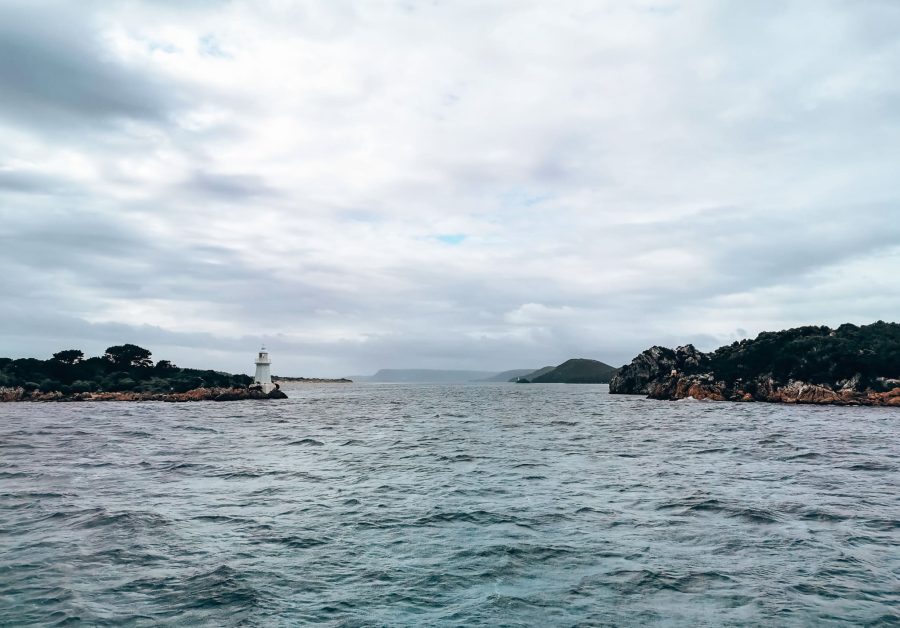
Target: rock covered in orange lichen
x,y
704,387
12,394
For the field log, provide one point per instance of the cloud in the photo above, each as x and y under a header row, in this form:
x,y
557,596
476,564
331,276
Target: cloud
x,y
225,187
56,71
472,185
29,182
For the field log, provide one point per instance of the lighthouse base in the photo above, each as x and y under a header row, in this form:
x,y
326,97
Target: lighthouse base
x,y
266,387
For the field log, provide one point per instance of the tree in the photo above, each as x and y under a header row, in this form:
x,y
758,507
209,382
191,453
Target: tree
x,y
128,356
69,356
165,365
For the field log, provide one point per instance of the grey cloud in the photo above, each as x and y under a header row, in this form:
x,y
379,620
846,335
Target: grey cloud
x,y
54,72
767,247
226,187
101,253
26,182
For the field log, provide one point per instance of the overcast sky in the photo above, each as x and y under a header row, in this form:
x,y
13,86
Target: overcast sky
x,y
442,184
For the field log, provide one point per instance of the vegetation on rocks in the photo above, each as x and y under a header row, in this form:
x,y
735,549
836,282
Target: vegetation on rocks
x,y
818,355
814,364
122,368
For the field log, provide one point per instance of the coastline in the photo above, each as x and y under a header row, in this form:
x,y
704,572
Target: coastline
x,y
19,394
311,380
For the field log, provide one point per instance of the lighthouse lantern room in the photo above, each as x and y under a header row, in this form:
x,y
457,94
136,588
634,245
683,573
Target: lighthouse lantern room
x,y
263,376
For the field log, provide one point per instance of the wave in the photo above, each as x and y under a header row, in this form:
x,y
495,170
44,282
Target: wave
x,y
186,466
872,466
223,587
221,519
307,441
14,445
649,580
457,458
809,455
294,542
196,428
692,505
818,514
523,552
129,520
136,434
479,517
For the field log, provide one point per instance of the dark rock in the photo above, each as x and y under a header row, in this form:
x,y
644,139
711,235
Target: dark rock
x,y
849,365
653,366
648,367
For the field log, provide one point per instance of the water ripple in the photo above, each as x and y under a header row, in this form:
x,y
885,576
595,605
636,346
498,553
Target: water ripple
x,y
493,505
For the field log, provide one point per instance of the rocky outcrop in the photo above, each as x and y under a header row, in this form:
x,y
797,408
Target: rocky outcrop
x,y
197,394
655,365
744,371
706,387
802,392
694,386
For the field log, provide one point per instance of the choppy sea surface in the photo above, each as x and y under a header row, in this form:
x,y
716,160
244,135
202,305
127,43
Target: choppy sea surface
x,y
465,505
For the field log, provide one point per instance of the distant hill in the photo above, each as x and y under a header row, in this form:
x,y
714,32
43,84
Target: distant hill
x,y
424,376
531,375
508,376
577,371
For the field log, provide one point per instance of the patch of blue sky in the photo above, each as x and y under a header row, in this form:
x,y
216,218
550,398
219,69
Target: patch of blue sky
x,y
520,197
451,238
162,46
210,46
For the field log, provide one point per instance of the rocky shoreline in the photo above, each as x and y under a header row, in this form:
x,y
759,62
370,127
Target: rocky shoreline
x,y
197,394
702,387
685,373
311,380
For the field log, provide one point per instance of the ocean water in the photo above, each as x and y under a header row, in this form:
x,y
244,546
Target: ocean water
x,y
429,505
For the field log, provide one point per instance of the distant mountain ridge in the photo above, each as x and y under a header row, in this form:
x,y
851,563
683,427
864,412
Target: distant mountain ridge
x,y
529,377
575,371
509,376
425,376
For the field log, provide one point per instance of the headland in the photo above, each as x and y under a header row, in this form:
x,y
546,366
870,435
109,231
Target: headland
x,y
122,373
849,365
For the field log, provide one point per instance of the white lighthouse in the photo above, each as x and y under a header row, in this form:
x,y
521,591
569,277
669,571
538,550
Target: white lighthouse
x,y
263,376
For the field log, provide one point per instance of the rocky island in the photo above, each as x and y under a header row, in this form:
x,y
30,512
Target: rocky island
x,y
122,373
849,365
